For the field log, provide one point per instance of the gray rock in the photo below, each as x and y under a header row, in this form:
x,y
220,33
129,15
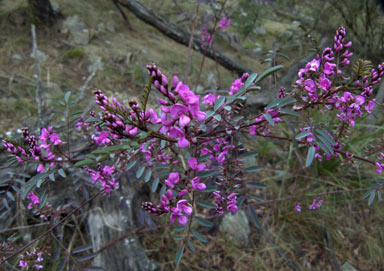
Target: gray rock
x,y
40,55
56,7
259,30
77,29
348,267
16,58
95,63
236,227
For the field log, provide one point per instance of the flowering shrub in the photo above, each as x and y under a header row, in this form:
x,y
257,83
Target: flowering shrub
x,y
188,144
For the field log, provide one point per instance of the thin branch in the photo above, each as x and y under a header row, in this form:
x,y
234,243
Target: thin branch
x,y
39,86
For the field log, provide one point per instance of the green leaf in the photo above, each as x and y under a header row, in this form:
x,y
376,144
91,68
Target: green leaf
x,y
179,228
131,164
147,176
85,163
140,172
62,173
371,197
190,245
203,222
92,120
268,72
179,255
217,117
43,199
206,204
289,112
281,102
155,184
201,238
302,135
310,156
10,196
269,119
207,173
254,218
66,97
257,198
178,238
250,80
202,158
252,169
257,185
210,189
326,136
112,149
327,146
250,154
219,102
254,88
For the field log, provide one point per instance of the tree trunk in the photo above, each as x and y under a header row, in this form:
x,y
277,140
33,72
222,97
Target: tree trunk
x,y
177,34
42,11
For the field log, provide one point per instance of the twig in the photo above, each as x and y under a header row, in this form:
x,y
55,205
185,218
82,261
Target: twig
x,y
84,86
190,44
39,81
51,228
24,227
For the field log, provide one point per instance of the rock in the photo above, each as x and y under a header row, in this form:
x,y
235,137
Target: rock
x,y
77,29
236,227
56,7
259,30
109,26
211,81
348,267
16,58
40,55
95,63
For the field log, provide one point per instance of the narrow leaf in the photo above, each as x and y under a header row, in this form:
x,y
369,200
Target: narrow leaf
x,y
66,97
147,176
252,169
207,173
155,184
250,80
140,172
257,185
289,112
87,257
131,164
371,197
254,218
62,173
179,255
269,119
219,102
268,72
85,163
206,204
204,222
190,245
201,238
81,249
310,156
302,135
250,154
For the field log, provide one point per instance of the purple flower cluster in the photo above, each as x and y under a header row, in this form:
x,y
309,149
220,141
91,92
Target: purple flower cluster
x,y
32,259
230,202
104,176
239,82
35,202
43,152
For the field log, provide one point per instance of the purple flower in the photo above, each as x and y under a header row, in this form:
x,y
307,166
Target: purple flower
x,y
224,23
209,99
103,138
23,264
192,162
315,204
196,185
173,179
297,206
310,85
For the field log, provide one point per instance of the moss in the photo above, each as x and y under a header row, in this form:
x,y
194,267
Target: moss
x,y
74,54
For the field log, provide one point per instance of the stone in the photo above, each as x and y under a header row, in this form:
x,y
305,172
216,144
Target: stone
x,y
16,58
79,33
348,267
40,55
236,227
95,63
